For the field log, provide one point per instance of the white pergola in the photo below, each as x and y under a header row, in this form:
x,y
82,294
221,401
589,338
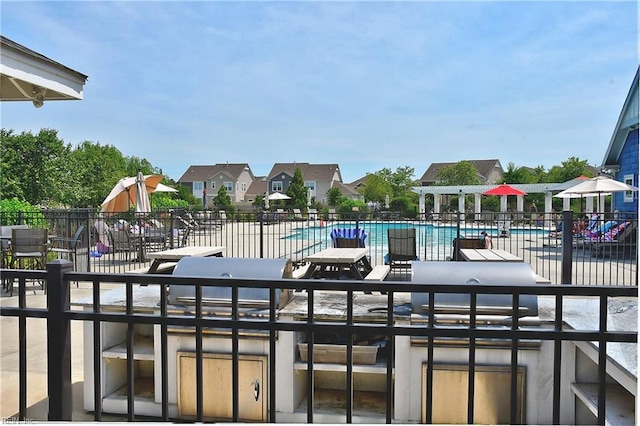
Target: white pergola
x,y
26,75
548,189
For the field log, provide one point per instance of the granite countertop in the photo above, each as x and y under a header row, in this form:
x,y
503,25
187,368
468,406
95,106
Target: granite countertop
x,y
582,314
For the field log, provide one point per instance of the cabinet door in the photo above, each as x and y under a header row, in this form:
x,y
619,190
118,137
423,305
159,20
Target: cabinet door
x,y
218,384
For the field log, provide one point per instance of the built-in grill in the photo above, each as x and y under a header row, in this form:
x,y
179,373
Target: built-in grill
x,y
490,308
229,267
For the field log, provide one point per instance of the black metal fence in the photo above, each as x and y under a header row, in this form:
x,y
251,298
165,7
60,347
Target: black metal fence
x,y
60,313
602,250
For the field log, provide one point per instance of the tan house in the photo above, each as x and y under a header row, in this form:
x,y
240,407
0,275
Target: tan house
x,y
318,177
236,178
488,171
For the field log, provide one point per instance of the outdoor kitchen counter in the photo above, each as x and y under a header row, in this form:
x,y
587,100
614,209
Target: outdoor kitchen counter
x,y
333,306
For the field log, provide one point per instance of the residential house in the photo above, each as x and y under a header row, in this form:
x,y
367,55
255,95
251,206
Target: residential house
x,y
348,191
318,177
236,178
489,172
621,157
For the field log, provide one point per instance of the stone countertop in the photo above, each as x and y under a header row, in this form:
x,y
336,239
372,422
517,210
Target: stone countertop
x,y
582,314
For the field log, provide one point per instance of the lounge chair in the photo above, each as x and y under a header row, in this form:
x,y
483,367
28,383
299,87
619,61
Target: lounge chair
x,y
348,237
297,214
402,247
622,238
312,214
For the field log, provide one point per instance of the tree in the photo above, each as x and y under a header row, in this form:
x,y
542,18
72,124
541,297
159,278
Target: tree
x,y
334,197
297,191
375,188
460,173
570,169
222,200
515,174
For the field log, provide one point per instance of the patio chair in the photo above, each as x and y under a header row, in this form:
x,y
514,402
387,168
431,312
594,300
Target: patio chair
x,y
402,247
68,247
120,242
30,245
348,237
312,214
297,214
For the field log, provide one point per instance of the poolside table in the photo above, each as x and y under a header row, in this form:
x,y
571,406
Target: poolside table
x,y
334,262
488,255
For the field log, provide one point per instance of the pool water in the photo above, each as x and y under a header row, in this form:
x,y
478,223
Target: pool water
x,y
433,241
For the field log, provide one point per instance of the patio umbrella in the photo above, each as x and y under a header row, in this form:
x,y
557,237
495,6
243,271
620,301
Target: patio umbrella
x,y
143,205
308,197
124,193
599,185
386,201
279,196
504,190
164,188
266,200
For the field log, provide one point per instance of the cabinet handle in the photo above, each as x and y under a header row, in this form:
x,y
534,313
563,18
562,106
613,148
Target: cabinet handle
x,y
256,389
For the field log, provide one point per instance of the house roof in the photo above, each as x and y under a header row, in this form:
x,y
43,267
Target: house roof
x,y
315,172
257,187
627,121
483,167
203,173
24,72
345,189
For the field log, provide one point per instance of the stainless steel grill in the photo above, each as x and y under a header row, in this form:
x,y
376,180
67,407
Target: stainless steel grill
x,y
468,274
229,267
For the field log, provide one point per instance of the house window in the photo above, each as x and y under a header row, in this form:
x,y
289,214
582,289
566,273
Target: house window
x,y
228,186
628,195
276,186
197,186
212,185
243,186
310,184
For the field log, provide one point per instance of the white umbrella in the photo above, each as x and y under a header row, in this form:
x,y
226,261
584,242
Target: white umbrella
x,y
308,197
599,185
143,205
278,196
266,200
386,201
164,188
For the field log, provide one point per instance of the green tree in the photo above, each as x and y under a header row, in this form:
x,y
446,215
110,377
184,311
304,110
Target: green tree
x,y
515,174
334,197
297,191
96,169
460,173
222,200
569,169
34,167
375,188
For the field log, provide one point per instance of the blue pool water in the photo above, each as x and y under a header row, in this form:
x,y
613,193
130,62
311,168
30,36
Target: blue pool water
x,y
434,241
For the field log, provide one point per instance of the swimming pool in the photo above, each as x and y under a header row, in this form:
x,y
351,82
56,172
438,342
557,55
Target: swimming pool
x,y
433,241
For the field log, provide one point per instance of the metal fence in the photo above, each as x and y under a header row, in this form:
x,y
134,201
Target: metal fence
x,y
605,254
59,314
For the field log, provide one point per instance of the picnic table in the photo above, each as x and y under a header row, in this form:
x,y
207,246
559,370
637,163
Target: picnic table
x,y
337,262
488,255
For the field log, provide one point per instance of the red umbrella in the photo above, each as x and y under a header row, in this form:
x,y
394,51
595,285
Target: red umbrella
x,y
504,189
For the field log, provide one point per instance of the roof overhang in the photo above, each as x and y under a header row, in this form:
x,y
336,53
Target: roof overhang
x,y
26,75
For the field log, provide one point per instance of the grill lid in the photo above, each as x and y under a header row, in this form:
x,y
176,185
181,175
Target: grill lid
x,y
468,274
229,267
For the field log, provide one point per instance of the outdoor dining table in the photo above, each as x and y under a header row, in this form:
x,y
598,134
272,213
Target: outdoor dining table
x,y
488,255
335,262
174,255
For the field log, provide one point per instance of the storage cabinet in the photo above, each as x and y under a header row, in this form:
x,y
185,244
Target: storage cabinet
x,y
217,385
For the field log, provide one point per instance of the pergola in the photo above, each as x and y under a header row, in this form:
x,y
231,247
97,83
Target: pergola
x,y
26,75
548,189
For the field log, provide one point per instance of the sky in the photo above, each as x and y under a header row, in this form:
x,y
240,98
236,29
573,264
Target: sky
x,y
366,85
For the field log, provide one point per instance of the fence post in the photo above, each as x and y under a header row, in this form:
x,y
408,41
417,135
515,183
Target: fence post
x,y
59,341
262,234
567,247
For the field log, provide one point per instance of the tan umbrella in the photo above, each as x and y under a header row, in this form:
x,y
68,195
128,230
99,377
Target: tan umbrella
x,y
143,205
123,194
